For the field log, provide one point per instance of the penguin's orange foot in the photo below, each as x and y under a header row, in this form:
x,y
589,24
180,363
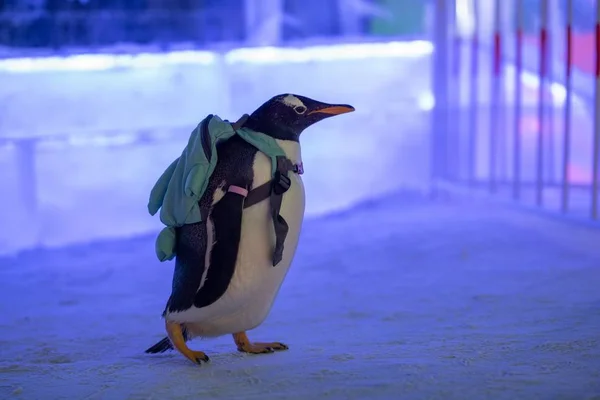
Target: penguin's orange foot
x,y
244,345
197,357
262,348
276,346
174,331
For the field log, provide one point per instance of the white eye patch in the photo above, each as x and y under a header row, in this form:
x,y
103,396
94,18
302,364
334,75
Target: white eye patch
x,y
294,102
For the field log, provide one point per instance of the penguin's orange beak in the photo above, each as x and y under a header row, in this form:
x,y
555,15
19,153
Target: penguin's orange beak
x,y
334,110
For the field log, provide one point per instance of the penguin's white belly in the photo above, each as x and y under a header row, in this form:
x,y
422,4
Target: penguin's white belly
x,y
255,282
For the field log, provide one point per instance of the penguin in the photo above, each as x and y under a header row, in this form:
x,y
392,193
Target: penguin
x,y
224,280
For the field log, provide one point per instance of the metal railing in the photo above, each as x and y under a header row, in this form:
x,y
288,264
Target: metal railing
x,y
524,101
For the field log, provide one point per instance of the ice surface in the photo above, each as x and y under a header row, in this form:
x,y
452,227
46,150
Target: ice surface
x,y
401,298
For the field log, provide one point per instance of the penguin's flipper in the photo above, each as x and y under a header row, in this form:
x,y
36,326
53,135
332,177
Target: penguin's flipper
x,y
226,218
245,346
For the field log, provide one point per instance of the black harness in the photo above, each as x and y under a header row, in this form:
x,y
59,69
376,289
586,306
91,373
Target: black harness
x,y
272,190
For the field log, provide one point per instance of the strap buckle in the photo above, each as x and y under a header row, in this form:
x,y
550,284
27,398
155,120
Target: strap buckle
x,y
281,183
298,169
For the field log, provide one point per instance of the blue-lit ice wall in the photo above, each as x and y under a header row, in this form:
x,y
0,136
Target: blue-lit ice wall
x,y
105,127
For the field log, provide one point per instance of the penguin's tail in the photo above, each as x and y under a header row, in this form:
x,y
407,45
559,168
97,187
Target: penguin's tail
x,y
160,347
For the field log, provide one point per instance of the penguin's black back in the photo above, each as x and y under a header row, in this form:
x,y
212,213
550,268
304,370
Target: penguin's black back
x,y
234,167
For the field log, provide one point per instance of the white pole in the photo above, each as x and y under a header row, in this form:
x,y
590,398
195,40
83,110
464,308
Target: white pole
x,y
264,22
350,17
542,101
454,56
474,95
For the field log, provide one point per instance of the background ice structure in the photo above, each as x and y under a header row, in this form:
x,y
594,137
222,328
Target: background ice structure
x,y
393,293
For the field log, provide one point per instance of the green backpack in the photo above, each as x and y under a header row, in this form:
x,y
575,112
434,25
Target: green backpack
x,y
179,189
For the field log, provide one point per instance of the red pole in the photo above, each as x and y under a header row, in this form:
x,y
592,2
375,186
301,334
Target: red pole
x,y
549,112
495,97
596,147
518,103
568,111
497,51
439,126
541,102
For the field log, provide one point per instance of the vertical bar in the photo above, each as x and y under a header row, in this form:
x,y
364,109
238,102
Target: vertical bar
x,y
568,111
439,126
541,102
518,102
596,155
457,47
549,108
454,139
264,22
495,97
350,19
503,130
474,95
434,124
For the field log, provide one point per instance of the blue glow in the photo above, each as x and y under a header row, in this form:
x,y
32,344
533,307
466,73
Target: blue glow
x,y
274,55
101,62
261,55
403,284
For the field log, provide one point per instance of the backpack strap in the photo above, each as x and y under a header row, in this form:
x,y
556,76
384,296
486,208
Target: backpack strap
x,y
240,122
281,184
273,190
280,180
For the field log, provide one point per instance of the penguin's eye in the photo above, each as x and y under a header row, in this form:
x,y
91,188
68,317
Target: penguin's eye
x,y
300,109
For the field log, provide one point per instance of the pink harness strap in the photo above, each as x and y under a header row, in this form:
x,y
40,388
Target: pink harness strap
x,y
239,190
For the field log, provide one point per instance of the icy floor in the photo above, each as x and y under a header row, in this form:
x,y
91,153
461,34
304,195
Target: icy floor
x,y
401,298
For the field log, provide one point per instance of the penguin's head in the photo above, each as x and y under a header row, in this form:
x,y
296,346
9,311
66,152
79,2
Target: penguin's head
x,y
285,116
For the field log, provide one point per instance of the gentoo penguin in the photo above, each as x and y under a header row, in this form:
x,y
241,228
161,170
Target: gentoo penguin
x,y
225,280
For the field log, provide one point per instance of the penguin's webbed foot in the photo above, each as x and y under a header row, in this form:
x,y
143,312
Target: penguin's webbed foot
x,y
244,345
174,330
197,357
